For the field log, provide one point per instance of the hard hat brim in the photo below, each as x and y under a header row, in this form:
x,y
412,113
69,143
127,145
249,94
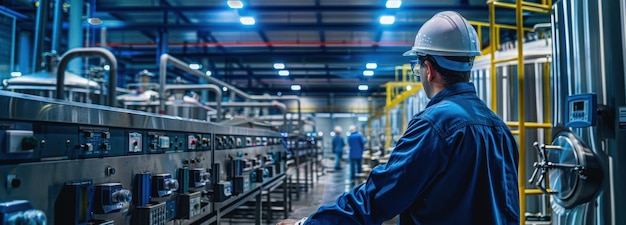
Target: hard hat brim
x,y
409,53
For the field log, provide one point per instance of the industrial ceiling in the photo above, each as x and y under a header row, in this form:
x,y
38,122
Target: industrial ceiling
x,y
323,44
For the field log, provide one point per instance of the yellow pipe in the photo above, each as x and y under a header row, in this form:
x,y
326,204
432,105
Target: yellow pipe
x,y
521,110
534,191
515,132
492,69
387,121
535,5
525,7
529,124
479,28
498,61
546,103
498,25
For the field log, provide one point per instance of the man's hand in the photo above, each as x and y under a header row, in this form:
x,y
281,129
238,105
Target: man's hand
x,y
287,222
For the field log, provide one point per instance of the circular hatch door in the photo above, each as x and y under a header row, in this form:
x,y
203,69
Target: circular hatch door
x,y
575,173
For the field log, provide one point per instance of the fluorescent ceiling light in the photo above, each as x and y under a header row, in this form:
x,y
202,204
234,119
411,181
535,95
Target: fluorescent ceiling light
x,y
393,4
94,21
247,20
224,89
194,66
208,73
296,87
279,66
371,66
387,19
235,4
363,87
368,73
283,72
362,118
16,74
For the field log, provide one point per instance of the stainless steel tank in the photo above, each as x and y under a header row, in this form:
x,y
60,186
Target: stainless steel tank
x,y
587,60
43,83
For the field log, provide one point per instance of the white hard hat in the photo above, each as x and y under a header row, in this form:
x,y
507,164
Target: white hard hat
x,y
446,34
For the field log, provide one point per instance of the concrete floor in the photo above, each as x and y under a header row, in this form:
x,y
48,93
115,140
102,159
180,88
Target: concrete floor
x,y
328,186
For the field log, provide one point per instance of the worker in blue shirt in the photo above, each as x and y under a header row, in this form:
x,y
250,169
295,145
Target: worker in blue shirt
x,y
457,161
356,142
338,144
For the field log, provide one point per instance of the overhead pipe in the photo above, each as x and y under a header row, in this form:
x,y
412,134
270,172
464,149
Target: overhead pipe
x,y
279,105
212,87
12,13
271,44
165,58
85,52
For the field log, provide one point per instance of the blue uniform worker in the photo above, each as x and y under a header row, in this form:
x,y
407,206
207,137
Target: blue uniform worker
x,y
338,144
356,142
456,164
457,161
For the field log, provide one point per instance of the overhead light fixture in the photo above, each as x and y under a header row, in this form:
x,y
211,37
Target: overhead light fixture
x,y
387,20
368,73
362,118
224,89
247,20
320,133
106,67
94,21
296,87
208,73
16,74
371,66
363,87
235,4
393,4
283,73
194,66
279,66
408,87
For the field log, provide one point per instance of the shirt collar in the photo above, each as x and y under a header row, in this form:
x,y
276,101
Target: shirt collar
x,y
455,89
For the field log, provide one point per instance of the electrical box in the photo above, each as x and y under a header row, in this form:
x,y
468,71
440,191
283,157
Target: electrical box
x,y
581,110
152,214
190,206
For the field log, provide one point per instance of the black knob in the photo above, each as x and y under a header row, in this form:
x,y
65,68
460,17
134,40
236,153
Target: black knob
x,y
29,143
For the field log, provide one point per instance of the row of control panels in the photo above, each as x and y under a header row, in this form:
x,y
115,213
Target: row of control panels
x,y
72,174
24,141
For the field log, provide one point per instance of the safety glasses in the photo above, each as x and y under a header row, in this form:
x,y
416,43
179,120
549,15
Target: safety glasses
x,y
415,69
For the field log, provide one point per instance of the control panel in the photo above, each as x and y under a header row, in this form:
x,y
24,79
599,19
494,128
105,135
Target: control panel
x,y
20,212
581,110
111,197
93,142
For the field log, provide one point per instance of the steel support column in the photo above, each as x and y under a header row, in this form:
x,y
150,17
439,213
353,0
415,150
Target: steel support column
x,y
40,33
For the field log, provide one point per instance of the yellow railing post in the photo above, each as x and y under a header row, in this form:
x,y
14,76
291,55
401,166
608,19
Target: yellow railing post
x,y
519,6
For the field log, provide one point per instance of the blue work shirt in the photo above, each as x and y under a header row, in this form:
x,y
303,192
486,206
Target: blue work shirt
x,y
356,142
338,144
455,164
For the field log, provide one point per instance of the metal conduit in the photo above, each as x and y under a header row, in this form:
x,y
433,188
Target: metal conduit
x,y
280,105
85,52
165,58
211,87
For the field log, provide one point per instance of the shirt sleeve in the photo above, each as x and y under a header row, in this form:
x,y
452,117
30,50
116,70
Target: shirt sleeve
x,y
391,188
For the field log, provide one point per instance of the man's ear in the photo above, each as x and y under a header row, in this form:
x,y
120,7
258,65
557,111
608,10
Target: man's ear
x,y
431,70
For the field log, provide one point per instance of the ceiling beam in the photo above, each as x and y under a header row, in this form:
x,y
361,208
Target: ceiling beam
x,y
415,8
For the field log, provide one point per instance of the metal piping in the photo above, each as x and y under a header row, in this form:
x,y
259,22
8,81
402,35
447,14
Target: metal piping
x,y
215,88
276,104
84,52
165,58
